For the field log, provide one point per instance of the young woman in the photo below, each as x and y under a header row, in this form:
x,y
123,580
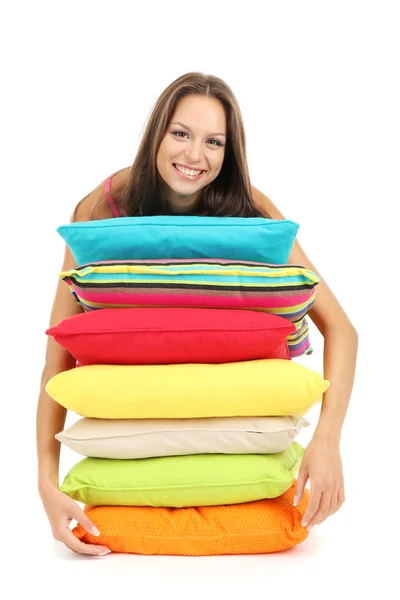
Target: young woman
x,y
192,160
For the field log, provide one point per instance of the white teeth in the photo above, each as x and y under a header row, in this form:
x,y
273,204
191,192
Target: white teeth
x,y
187,171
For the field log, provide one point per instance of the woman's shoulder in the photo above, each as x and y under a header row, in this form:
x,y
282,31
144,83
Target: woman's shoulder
x,y
96,204
115,183
265,204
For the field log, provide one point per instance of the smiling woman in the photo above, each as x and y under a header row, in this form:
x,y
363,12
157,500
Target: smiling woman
x,y
192,161
192,158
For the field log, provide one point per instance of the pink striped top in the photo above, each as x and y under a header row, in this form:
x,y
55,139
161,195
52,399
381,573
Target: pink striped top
x,y
110,199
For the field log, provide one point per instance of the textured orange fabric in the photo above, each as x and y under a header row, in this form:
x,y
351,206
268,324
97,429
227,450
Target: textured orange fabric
x,y
258,527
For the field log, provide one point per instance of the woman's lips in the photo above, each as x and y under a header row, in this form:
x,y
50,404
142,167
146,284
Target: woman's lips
x,y
187,177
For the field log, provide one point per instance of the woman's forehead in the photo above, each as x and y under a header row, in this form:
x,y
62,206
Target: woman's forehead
x,y
201,112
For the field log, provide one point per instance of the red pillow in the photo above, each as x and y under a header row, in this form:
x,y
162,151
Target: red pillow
x,y
141,336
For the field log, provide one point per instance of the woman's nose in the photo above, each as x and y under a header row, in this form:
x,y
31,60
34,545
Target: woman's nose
x,y
194,152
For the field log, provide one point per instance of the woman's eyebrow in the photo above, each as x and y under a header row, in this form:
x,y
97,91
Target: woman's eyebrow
x,y
188,128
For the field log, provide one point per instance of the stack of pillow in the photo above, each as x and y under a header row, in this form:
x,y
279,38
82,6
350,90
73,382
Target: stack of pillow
x,y
190,400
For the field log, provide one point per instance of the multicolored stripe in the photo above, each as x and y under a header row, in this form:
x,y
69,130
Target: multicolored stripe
x,y
284,290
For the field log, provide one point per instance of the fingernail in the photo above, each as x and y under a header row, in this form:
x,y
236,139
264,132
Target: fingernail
x,y
304,523
95,531
295,501
106,552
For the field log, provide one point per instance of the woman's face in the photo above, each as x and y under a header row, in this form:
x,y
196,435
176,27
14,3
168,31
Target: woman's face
x,y
192,151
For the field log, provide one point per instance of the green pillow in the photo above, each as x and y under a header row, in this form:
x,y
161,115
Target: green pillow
x,y
181,481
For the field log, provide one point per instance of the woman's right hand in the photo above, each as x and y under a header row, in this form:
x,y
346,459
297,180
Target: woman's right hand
x,y
60,510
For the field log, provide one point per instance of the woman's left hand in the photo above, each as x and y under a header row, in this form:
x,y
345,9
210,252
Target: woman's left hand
x,y
323,465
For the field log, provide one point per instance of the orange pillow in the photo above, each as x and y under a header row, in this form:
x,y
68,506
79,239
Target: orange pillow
x,y
258,527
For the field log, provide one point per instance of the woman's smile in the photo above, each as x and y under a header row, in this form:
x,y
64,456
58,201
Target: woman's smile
x,y
187,174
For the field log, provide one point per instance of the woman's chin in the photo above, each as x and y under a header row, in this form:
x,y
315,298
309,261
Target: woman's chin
x,y
186,188
181,209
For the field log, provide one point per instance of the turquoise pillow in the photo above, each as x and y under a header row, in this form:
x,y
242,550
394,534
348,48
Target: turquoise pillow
x,y
180,481
256,239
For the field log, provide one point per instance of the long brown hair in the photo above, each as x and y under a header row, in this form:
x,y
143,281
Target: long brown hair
x,y
230,192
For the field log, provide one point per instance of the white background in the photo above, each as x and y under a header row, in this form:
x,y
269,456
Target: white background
x,y
317,83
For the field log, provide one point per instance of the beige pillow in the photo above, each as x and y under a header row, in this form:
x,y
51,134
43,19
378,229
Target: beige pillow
x,y
145,438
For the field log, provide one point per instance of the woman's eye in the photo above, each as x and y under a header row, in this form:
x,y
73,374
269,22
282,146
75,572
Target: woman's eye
x,y
177,132
217,142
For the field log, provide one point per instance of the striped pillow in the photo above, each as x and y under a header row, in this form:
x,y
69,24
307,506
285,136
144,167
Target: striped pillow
x,y
284,290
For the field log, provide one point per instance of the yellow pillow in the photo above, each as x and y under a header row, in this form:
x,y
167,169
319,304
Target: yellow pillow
x,y
268,387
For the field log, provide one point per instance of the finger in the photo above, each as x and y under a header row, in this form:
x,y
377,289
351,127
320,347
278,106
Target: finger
x,y
323,510
337,500
341,497
300,485
313,505
74,544
83,520
335,503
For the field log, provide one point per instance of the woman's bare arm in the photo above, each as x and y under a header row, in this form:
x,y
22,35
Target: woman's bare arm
x,y
50,418
340,340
